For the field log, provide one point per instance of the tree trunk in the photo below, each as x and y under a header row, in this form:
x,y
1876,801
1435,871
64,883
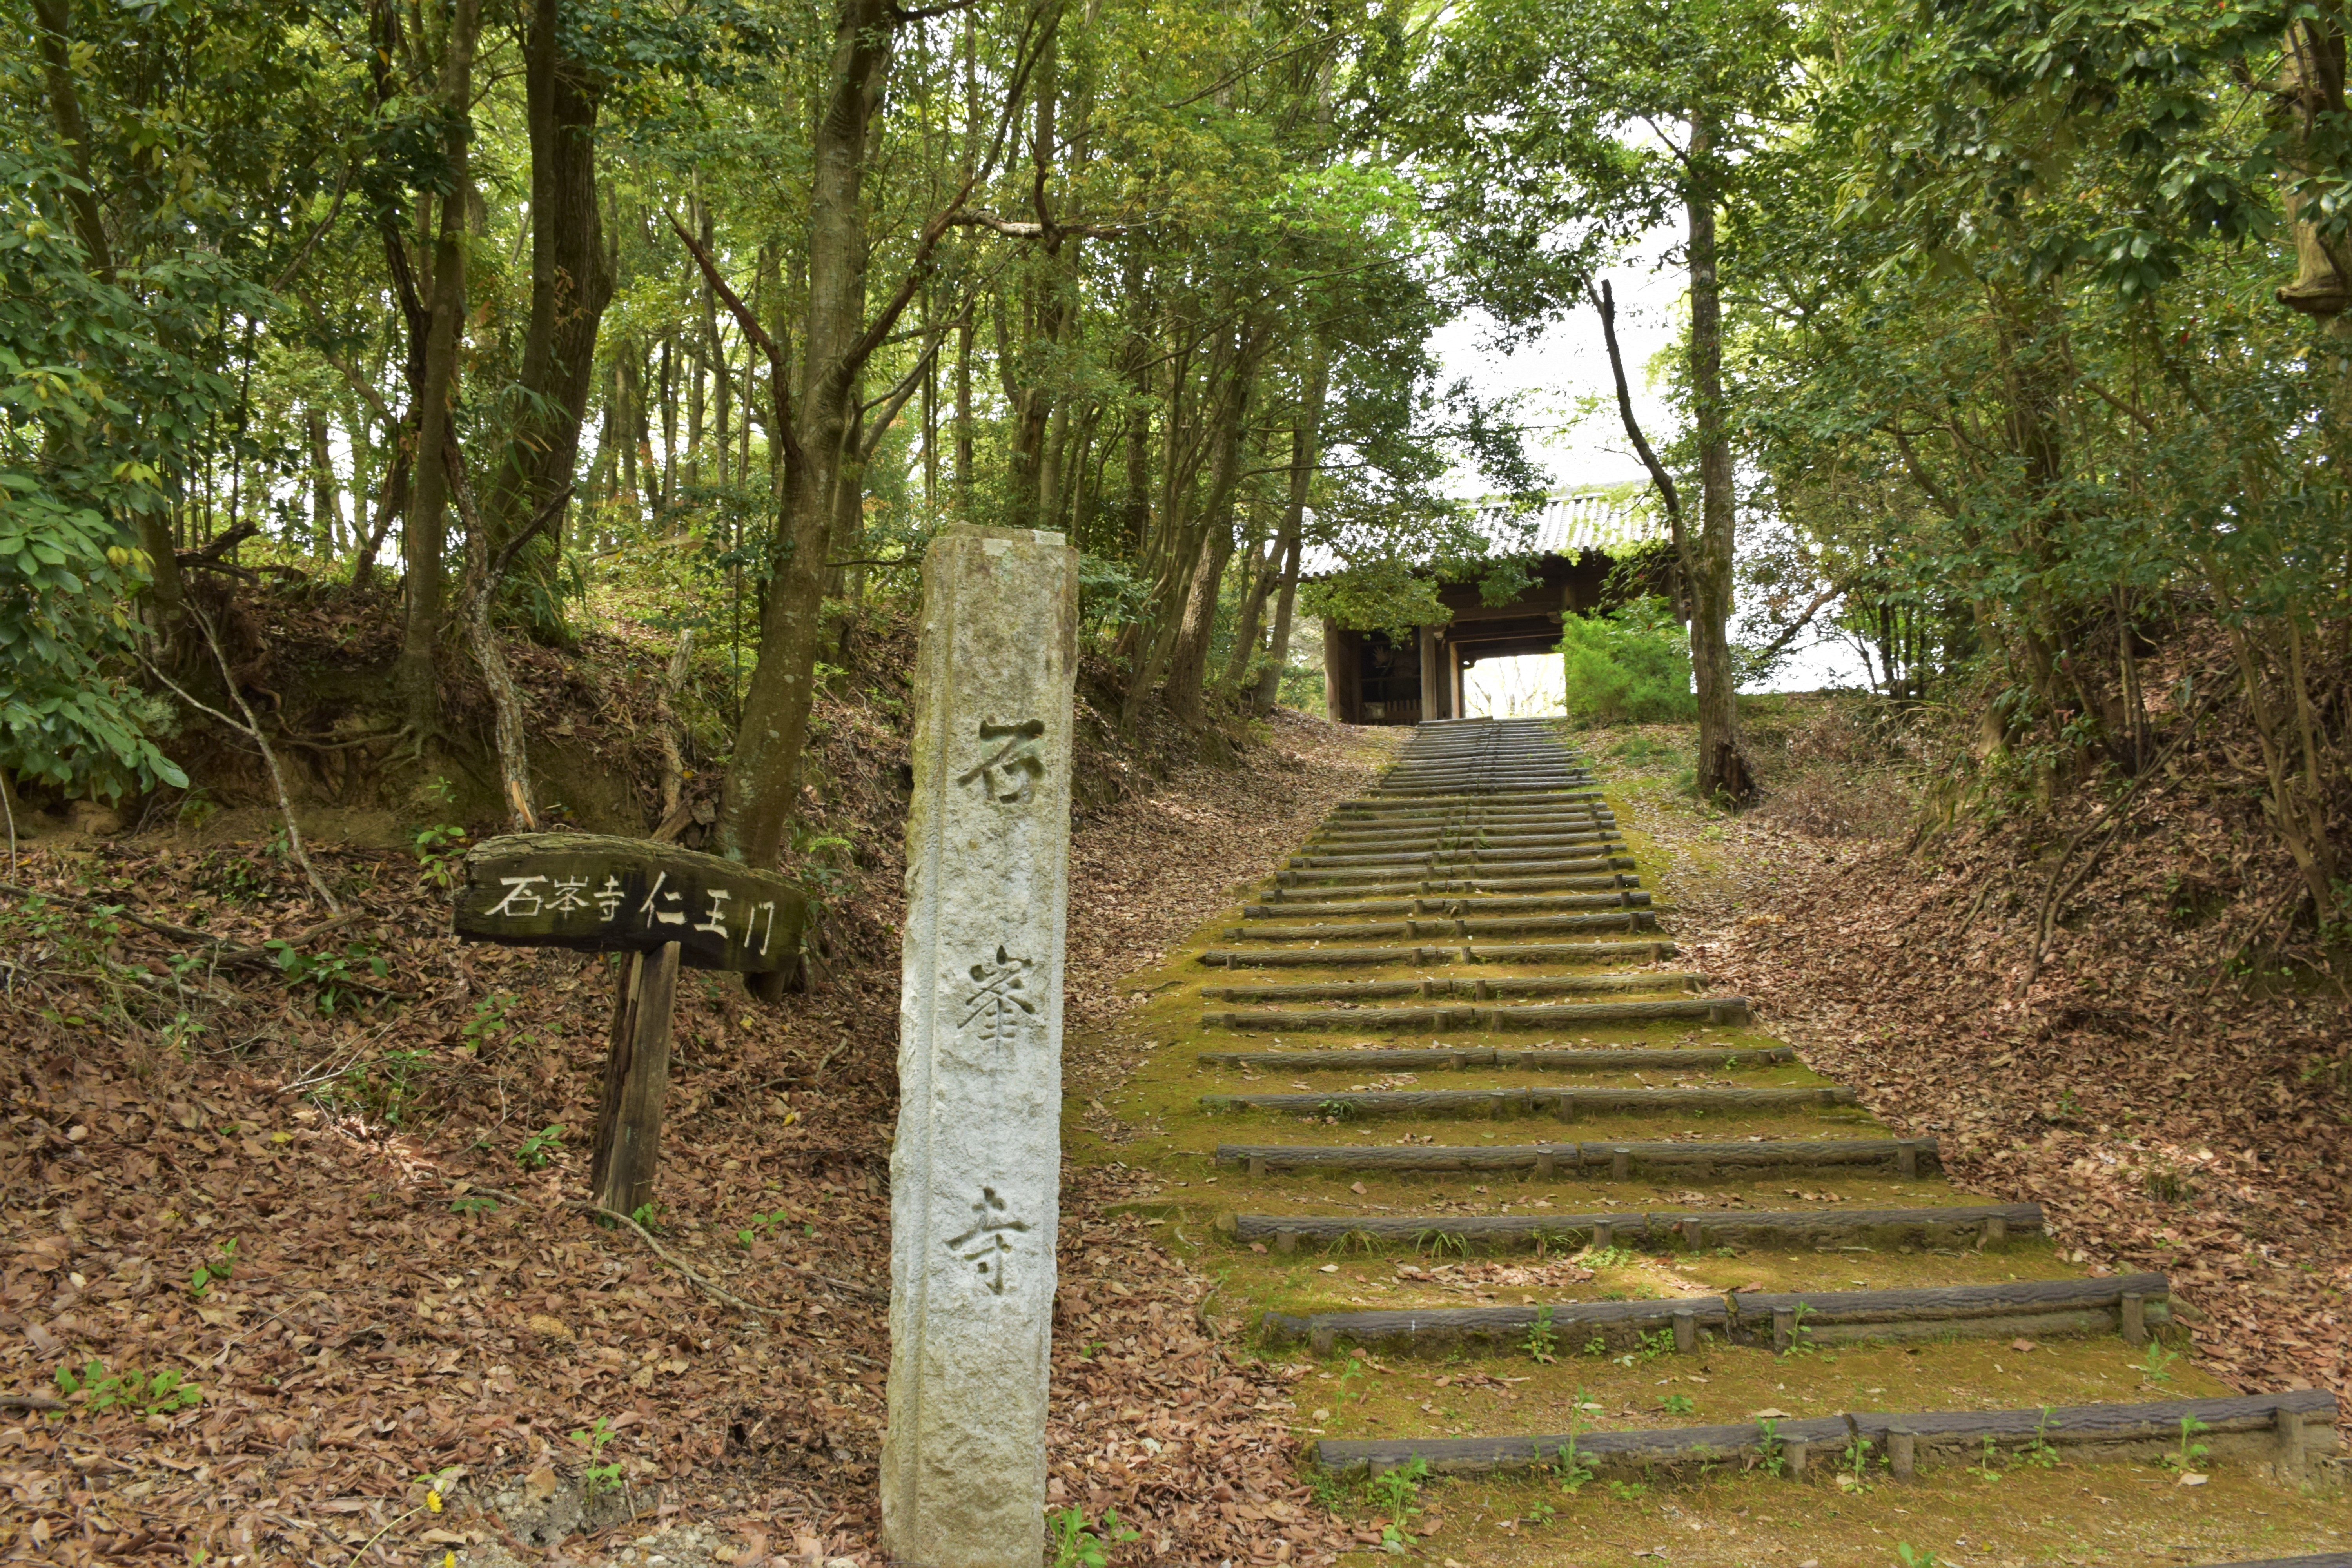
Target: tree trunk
x,y
1188,663
416,676
572,278
326,511
1723,770
762,782
1306,451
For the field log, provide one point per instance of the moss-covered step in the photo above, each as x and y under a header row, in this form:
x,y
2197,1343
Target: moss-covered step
x,y
1629,919
1590,843
2124,1304
1617,1161
2285,1430
1731,1010
1515,904
1564,1103
1341,877
1478,988
1598,1058
1990,1223
1434,957
1430,886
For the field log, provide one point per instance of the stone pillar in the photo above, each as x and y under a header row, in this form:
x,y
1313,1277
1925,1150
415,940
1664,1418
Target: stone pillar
x,y
975,1175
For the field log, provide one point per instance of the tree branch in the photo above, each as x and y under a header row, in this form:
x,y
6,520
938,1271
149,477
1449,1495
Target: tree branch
x,y
1605,302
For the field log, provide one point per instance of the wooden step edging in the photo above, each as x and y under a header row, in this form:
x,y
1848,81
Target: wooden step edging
x,y
1341,878
1992,1223
1563,1102
1592,843
1602,881
2280,1429
1722,1010
1477,989
2126,1304
1615,1160
1590,1058
1515,952
1459,908
1629,920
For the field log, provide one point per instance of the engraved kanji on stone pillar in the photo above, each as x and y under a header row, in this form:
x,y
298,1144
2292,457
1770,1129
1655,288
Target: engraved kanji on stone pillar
x,y
975,1172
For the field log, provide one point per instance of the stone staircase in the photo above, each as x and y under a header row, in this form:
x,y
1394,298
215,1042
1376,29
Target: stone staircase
x,y
1647,1179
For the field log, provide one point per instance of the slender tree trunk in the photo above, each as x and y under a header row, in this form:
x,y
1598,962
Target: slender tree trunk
x,y
1188,662
417,675
326,509
53,19
571,279
1723,769
1306,451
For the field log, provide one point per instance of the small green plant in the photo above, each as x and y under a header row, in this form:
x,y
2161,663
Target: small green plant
x,y
1596,1345
1857,1460
1768,1449
1605,1257
2156,1366
214,1270
1542,1338
2190,1453
2037,1451
601,1476
1080,1544
438,850
644,1214
477,1203
1541,1513
1336,1109
1569,1466
762,1225
1649,1348
149,1394
540,1147
1438,1242
1911,1557
1800,1337
335,976
1985,1468
488,1022
1676,1404
1397,1493
1628,1491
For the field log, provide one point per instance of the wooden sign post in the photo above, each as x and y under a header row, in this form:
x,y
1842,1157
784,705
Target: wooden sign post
x,y
663,907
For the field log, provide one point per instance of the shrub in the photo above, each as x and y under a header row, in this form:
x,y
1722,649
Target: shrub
x,y
1631,666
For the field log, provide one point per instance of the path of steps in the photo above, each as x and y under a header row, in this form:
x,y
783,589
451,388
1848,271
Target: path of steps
x,y
1689,1190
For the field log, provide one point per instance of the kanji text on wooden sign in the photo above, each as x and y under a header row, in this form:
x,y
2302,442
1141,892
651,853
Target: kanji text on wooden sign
x,y
605,894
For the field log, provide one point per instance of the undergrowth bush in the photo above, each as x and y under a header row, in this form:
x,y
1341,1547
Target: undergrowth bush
x,y
1629,665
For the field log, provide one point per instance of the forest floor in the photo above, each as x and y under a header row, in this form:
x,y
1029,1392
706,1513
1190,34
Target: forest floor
x,y
309,1244
340,1201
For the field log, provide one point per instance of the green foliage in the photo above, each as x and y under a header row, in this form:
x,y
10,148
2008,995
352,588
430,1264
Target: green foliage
x,y
1676,1404
214,1270
1631,666
2190,1453
1910,1557
331,974
145,1393
1542,1340
600,1475
537,1151
438,851
1397,1493
1077,1543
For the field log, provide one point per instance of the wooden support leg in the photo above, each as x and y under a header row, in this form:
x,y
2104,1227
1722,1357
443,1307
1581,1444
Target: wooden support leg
x,y
1286,1241
1256,1166
637,1075
1796,1451
1906,1158
1784,1329
2290,1444
2134,1318
1901,1455
1687,1333
1620,1164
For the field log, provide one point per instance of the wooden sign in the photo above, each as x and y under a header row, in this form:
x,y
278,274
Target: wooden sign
x,y
605,894
663,906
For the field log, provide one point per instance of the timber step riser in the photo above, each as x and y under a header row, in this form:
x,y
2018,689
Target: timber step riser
x,y
1725,1010
1510,952
1488,838
1522,904
1508,887
1581,866
1495,1103
1482,990
2127,1306
1581,1058
2283,1431
1990,1224
1594,841
1631,920
1612,1161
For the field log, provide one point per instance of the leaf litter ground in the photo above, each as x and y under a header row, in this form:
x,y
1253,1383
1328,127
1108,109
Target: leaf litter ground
x,y
400,1304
